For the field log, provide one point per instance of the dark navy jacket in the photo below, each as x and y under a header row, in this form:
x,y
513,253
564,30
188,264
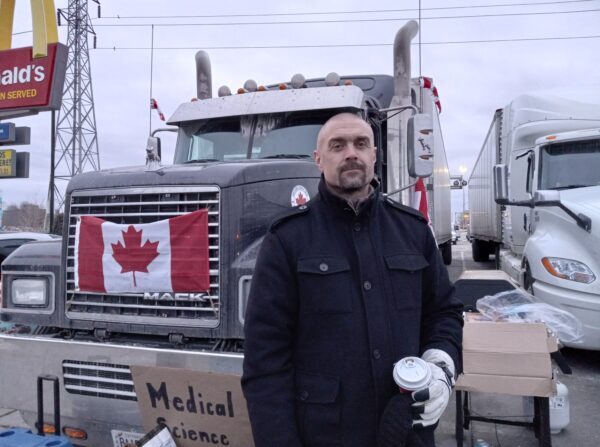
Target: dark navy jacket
x,y
336,299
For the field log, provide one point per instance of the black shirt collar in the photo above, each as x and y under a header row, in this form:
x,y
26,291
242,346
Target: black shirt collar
x,y
364,206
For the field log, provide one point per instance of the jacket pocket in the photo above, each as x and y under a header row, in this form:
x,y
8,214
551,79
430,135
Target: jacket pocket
x,y
325,285
406,271
318,409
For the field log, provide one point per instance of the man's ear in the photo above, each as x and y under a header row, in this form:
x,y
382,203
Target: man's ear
x,y
317,158
374,154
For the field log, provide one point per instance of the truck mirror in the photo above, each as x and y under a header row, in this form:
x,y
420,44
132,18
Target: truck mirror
x,y
501,184
153,151
420,145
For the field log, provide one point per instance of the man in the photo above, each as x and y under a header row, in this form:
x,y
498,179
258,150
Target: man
x,y
343,288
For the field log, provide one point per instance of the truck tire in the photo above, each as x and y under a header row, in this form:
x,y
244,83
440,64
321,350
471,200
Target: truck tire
x,y
528,279
446,250
497,257
480,250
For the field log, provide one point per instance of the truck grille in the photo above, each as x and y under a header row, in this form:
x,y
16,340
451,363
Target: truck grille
x,y
98,379
136,206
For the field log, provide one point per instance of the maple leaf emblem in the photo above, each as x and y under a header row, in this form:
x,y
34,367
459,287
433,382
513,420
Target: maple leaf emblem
x,y
300,199
133,257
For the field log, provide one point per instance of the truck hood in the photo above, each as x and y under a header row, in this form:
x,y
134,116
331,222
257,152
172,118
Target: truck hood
x,y
223,174
583,200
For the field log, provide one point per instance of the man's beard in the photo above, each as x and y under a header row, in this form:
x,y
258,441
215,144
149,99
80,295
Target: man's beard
x,y
354,183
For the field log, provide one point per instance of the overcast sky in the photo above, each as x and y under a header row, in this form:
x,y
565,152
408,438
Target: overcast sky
x,y
473,79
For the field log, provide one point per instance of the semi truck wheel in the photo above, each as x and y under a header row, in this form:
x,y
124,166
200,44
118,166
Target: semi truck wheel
x,y
480,250
446,250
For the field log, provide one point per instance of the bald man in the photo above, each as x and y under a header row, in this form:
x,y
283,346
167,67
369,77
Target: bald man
x,y
343,288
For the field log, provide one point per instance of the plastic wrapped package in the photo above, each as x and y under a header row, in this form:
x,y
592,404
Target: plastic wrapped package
x,y
519,306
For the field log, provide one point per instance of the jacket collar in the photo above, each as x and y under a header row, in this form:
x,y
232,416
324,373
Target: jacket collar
x,y
335,202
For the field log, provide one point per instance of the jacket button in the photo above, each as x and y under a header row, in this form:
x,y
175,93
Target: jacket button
x,y
304,395
367,285
356,227
376,354
323,267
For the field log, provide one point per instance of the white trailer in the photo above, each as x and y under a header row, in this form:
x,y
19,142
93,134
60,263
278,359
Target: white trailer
x,y
534,196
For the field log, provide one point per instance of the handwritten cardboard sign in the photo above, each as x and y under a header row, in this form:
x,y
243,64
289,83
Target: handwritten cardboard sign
x,y
200,409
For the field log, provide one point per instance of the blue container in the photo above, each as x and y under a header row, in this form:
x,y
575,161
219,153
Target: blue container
x,y
21,437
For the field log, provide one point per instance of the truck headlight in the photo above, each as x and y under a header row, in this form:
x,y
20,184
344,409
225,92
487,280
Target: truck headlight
x,y
30,292
569,269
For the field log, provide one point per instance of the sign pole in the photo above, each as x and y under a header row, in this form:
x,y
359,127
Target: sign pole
x,y
51,189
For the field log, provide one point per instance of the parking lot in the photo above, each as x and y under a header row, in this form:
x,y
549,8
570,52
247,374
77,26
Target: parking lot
x,y
583,386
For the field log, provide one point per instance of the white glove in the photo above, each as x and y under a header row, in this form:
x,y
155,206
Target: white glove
x,y
431,402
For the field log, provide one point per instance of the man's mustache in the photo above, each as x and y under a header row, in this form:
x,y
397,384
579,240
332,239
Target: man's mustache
x,y
351,165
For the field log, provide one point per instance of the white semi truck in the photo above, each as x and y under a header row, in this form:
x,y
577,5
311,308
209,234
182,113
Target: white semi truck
x,y
534,199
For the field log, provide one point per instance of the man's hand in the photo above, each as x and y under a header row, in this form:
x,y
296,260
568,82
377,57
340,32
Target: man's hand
x,y
431,402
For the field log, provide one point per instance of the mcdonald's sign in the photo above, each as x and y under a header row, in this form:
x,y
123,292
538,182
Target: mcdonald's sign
x,y
31,78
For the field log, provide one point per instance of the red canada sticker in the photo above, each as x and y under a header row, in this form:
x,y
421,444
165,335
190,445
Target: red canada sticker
x,y
299,195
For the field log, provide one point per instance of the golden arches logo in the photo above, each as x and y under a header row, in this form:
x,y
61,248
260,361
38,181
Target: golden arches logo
x,y
43,17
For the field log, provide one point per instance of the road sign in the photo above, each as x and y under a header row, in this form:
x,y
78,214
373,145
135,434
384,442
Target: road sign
x,y
7,132
14,164
8,163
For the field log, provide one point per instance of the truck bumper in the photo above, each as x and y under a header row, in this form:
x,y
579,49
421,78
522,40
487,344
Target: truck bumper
x,y
97,405
585,306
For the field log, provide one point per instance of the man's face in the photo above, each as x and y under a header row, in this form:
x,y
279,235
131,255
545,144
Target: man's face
x,y
345,153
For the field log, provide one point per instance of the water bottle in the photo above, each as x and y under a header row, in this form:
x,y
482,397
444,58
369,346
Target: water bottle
x,y
480,443
559,408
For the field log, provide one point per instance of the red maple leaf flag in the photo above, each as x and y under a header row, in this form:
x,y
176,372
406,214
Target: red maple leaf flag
x,y
420,199
420,202
133,256
166,256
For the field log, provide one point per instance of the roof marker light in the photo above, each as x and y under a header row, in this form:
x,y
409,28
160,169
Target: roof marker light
x,y
241,91
224,91
298,80
250,85
348,82
262,88
194,99
551,137
282,86
332,79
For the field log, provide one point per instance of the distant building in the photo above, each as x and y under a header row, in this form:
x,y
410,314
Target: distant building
x,y
26,216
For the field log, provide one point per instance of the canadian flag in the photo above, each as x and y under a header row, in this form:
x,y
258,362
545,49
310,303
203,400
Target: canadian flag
x,y
420,199
154,105
420,202
170,255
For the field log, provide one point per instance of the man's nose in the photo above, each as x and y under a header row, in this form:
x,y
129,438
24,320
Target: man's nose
x,y
351,151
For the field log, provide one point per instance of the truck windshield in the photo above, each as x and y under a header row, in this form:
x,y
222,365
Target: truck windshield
x,y
285,135
573,164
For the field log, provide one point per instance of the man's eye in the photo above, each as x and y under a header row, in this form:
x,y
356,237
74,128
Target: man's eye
x,y
362,144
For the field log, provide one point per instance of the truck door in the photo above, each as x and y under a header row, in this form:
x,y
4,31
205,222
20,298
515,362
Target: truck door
x,y
521,183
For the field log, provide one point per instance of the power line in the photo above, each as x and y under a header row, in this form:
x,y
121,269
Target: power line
x,y
267,47
303,22
346,20
343,12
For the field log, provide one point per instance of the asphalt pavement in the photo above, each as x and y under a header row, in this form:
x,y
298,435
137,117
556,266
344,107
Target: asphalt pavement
x,y
583,386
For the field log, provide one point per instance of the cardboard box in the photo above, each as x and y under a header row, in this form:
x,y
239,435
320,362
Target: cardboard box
x,y
517,386
508,358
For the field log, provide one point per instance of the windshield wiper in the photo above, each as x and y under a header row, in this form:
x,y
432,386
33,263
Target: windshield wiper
x,y
201,160
570,187
287,156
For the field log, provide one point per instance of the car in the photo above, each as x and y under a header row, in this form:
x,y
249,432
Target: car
x,y
455,237
10,241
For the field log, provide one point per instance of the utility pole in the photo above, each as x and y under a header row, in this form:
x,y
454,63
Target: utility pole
x,y
76,148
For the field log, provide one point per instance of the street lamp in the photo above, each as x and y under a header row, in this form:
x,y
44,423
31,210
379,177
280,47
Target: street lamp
x,y
463,170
